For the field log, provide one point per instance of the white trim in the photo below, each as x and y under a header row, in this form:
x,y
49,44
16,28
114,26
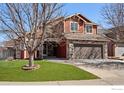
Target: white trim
x,y
77,14
77,26
83,19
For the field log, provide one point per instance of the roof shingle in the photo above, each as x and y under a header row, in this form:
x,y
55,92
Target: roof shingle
x,y
81,36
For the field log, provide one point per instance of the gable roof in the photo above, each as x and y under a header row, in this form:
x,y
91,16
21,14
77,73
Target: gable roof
x,y
82,17
121,28
1,49
9,43
111,33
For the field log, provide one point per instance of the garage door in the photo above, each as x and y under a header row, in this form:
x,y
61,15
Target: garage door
x,y
88,51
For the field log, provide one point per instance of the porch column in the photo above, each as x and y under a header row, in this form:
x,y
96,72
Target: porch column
x,y
25,54
105,51
67,54
71,50
40,52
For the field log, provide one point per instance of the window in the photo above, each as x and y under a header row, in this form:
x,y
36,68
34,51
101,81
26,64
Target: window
x,y
74,26
88,28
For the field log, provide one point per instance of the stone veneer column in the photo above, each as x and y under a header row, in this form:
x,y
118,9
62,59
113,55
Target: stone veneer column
x,y
71,51
67,49
40,52
105,48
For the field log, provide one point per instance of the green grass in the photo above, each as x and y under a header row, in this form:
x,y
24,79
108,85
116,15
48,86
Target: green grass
x,y
49,71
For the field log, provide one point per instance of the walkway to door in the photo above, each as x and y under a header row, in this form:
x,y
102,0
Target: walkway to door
x,y
54,59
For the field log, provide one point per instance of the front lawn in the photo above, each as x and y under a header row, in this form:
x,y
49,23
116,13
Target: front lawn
x,y
49,71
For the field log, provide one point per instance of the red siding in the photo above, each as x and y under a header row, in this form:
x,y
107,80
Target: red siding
x,y
61,50
27,55
67,26
22,54
111,48
81,26
94,29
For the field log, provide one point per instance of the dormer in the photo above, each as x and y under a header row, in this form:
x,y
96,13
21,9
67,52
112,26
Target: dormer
x,y
77,23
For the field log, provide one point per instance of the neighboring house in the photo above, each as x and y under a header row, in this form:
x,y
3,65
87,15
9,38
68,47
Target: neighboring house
x,y
81,41
115,46
6,52
1,52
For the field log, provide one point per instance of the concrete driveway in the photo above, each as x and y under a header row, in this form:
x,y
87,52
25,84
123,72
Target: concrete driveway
x,y
108,76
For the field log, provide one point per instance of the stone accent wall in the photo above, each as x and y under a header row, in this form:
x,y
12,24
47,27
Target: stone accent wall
x,y
105,49
71,50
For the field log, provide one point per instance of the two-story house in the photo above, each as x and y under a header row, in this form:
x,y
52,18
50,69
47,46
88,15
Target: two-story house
x,y
81,41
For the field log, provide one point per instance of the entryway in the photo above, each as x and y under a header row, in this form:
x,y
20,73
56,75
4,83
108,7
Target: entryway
x,y
50,49
54,50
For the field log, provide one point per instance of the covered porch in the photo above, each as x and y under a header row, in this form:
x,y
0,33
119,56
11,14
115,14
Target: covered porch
x,y
51,50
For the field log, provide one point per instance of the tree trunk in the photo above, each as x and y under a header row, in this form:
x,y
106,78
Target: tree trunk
x,y
31,60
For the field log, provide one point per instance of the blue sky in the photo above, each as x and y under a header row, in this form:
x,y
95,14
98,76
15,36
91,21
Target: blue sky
x,y
90,10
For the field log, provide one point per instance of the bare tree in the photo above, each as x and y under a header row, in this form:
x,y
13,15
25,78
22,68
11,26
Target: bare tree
x,y
114,16
29,23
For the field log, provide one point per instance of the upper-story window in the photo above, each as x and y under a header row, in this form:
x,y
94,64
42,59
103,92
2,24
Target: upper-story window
x,y
88,28
74,26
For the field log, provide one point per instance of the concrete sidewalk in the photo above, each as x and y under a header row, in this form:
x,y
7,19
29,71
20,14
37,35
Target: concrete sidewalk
x,y
59,83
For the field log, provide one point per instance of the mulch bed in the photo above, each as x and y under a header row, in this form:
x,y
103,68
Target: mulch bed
x,y
27,67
